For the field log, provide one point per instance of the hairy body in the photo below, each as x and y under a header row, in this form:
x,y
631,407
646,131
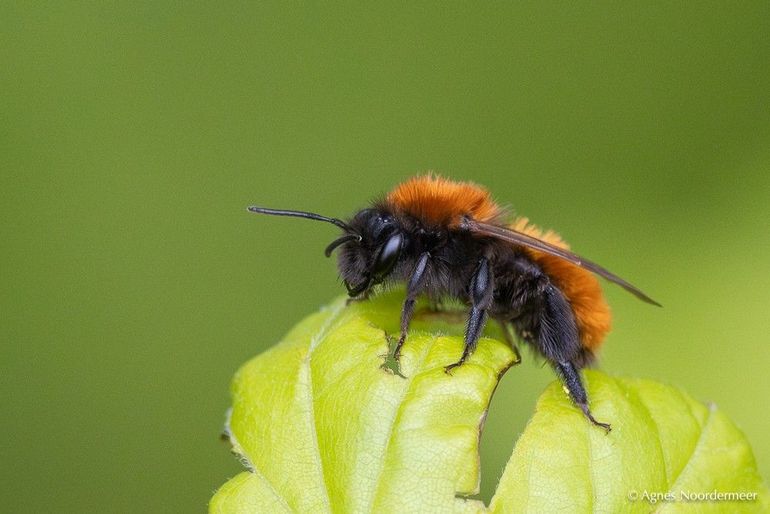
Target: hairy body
x,y
449,239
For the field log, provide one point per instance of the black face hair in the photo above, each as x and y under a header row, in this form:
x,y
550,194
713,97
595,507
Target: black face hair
x,y
372,258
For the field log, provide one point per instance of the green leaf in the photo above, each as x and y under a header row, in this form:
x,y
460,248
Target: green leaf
x,y
662,441
322,426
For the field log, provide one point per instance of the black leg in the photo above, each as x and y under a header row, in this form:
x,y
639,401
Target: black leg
x,y
480,293
412,290
571,378
363,297
505,326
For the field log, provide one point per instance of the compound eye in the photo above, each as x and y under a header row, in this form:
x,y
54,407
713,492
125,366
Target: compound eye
x,y
388,256
379,226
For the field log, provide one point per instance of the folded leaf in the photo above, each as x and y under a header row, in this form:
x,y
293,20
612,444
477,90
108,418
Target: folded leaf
x,y
323,426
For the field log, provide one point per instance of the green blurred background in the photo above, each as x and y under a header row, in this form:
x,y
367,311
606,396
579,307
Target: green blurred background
x,y
133,283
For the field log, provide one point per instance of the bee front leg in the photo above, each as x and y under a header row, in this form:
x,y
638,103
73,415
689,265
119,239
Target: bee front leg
x,y
413,289
480,293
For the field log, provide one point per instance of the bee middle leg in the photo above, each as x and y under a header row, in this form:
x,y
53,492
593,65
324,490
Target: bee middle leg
x,y
480,292
505,326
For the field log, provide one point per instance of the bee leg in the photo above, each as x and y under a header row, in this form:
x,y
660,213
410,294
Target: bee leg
x,y
558,341
577,391
480,292
363,297
505,326
412,290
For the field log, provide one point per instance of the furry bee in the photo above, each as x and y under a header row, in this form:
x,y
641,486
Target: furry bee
x,y
450,239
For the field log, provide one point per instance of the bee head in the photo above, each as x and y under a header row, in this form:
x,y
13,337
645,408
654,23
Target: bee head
x,y
370,251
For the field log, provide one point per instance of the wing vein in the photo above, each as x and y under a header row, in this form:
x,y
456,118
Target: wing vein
x,y
521,239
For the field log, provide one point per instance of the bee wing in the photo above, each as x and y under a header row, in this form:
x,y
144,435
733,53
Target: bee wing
x,y
521,239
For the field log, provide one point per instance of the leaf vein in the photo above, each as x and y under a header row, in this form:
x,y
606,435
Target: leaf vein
x,y
394,420
701,439
305,370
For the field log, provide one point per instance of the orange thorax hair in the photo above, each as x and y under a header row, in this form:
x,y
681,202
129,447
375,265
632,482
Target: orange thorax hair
x,y
439,201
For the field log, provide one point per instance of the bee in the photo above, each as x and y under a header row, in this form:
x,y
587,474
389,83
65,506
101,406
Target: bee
x,y
448,239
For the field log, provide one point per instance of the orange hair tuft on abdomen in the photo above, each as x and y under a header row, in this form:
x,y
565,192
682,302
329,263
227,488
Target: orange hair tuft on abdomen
x,y
581,287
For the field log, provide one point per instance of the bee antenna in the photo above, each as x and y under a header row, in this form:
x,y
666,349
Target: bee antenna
x,y
341,241
301,214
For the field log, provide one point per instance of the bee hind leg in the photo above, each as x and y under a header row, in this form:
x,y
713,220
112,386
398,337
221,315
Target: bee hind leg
x,y
577,391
